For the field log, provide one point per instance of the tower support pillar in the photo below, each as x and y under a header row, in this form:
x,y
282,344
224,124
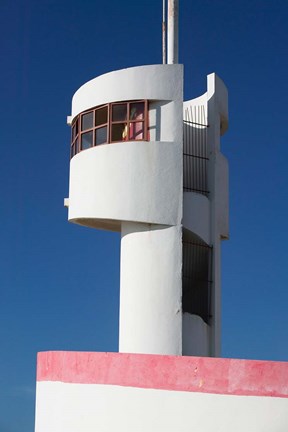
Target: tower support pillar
x,y
150,289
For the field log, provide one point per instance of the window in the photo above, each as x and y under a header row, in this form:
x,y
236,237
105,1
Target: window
x,y
111,123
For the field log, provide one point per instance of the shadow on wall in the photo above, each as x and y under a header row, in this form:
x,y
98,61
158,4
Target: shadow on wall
x,y
196,276
155,119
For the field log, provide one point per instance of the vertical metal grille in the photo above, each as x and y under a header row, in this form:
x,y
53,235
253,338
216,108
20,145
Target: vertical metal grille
x,y
196,277
195,151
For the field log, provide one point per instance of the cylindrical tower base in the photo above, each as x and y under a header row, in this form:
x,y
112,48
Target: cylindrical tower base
x,y
150,289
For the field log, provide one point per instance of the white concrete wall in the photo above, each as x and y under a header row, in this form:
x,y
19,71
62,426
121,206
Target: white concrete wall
x,y
152,82
209,218
105,408
217,96
103,392
218,184
131,181
195,336
141,182
196,215
133,184
151,289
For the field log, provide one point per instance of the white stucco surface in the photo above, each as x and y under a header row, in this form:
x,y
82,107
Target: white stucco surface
x,y
108,408
195,336
196,214
198,101
132,181
150,289
218,97
139,186
208,217
152,82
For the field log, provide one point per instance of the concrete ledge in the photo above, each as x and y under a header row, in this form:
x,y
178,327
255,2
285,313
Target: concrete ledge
x,y
189,374
109,392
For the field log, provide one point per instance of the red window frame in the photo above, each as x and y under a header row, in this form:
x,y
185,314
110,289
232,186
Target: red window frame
x,y
130,125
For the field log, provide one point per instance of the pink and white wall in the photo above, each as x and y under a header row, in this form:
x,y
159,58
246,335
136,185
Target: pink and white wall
x,y
97,392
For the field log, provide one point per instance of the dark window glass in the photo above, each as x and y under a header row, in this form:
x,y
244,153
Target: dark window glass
x,y
87,121
86,140
114,122
119,112
76,145
119,132
137,111
101,135
136,131
101,116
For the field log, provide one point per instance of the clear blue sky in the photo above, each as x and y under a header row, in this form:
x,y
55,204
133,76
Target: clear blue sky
x,y
60,282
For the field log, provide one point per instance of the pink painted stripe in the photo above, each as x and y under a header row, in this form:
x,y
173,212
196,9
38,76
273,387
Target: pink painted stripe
x,y
191,374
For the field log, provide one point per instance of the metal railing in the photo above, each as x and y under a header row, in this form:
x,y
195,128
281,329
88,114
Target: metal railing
x,y
195,151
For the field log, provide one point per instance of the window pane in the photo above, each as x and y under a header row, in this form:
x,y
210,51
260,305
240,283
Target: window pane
x,y
73,132
76,127
87,121
119,112
101,116
137,111
119,132
101,135
76,145
86,140
136,131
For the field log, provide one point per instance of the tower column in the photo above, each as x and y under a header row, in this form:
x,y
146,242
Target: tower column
x,y
150,289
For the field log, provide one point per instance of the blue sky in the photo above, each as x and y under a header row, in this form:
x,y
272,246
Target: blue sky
x,y
60,282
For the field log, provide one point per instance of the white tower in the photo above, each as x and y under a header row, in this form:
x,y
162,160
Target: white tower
x,y
131,171
163,185
148,165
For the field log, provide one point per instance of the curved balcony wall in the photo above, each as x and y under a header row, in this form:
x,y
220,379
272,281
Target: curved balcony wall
x,y
152,82
131,181
139,181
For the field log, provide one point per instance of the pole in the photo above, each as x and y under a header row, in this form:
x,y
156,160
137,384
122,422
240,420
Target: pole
x,y
172,34
164,33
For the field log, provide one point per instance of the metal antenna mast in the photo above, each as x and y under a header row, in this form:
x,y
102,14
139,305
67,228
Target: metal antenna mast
x,y
172,34
164,33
